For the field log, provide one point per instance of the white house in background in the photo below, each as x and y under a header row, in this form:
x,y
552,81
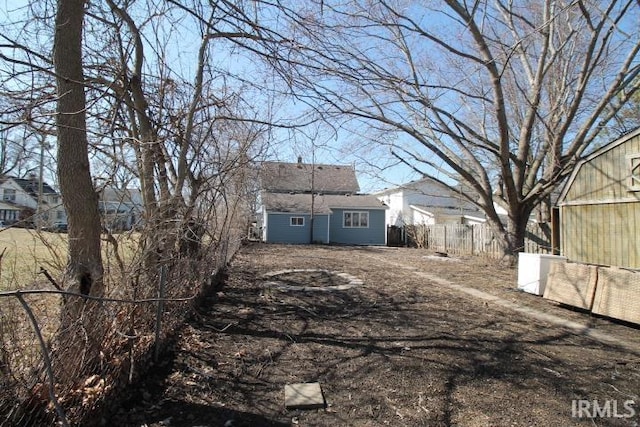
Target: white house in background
x,y
19,202
121,209
427,202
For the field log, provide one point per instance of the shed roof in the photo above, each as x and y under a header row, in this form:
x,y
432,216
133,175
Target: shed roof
x,y
297,177
600,151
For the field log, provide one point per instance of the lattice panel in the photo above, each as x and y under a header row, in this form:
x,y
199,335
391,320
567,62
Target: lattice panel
x,y
572,284
618,294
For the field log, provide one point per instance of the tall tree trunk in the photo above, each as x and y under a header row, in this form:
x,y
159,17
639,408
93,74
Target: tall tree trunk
x,y
515,234
81,320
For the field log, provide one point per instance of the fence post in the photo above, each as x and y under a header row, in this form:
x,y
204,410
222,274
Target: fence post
x,y
160,311
473,230
444,243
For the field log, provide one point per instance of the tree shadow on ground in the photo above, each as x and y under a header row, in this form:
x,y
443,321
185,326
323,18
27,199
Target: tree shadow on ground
x,y
189,414
361,335
394,354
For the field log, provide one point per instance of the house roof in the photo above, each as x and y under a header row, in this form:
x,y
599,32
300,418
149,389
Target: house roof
x,y
31,185
132,196
322,204
297,177
433,194
10,206
449,211
418,185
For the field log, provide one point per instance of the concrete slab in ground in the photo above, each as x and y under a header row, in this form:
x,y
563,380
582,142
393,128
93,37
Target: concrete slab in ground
x,y
303,396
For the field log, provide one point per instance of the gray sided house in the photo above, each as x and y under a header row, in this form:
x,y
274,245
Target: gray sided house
x,y
120,209
305,203
600,206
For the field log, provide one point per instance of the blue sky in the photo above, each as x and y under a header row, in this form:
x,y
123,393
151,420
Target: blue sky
x,y
319,143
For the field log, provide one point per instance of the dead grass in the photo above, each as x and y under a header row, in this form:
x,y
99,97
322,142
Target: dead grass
x,y
400,349
24,253
27,251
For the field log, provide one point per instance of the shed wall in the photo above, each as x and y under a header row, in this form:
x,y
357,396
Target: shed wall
x,y
605,233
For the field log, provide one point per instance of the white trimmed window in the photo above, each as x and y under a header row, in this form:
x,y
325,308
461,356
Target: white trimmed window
x,y
355,219
634,169
9,195
297,221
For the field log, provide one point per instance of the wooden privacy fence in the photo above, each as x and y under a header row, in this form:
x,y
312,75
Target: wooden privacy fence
x,y
462,239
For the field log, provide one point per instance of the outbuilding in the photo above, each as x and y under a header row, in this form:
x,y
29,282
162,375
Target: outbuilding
x,y
600,206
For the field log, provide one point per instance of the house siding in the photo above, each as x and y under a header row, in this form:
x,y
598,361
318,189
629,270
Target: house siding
x,y
421,218
427,194
19,197
320,229
19,204
279,229
375,234
599,214
397,206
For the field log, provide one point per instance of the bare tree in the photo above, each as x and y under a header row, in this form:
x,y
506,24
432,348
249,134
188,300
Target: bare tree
x,y
140,98
628,118
503,96
176,124
15,148
84,268
27,93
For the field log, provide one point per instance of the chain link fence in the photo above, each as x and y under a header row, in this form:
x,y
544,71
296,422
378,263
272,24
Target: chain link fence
x,y
60,369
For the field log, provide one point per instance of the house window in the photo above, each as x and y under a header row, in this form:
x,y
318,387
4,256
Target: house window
x,y
355,219
634,170
297,221
8,215
59,215
9,195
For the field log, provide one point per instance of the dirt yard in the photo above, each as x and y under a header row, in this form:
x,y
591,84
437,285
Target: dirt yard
x,y
401,339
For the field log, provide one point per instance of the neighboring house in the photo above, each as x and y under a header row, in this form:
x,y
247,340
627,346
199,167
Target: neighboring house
x,y
427,202
308,203
121,209
22,202
600,206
